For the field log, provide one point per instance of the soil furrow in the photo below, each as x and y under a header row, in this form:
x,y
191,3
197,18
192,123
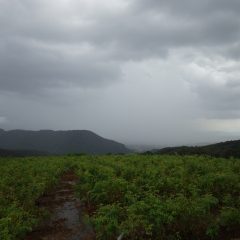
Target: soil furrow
x,y
66,221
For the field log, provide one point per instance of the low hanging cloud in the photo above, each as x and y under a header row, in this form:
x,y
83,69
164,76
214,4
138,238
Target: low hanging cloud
x,y
76,52
2,119
217,84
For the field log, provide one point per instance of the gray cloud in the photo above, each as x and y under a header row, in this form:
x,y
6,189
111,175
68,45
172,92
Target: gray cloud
x,y
67,55
220,100
191,8
28,66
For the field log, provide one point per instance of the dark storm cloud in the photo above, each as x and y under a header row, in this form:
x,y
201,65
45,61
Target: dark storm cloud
x,y
30,30
142,30
191,8
61,47
138,34
29,67
151,28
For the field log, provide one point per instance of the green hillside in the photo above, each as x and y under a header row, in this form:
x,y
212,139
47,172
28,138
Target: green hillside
x,y
224,149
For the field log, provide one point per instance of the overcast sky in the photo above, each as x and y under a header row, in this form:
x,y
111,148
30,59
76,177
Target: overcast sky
x,y
137,71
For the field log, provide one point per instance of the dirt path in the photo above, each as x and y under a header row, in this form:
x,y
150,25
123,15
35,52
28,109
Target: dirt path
x,y
66,221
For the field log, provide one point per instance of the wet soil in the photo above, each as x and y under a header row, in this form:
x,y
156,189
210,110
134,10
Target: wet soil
x,y
66,221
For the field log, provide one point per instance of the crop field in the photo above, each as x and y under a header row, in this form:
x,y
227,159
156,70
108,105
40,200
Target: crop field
x,y
136,196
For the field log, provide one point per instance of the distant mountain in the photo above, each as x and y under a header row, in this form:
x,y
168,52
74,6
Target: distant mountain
x,y
141,148
223,149
59,142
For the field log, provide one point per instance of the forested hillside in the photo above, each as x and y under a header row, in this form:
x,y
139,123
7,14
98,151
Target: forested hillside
x,y
224,149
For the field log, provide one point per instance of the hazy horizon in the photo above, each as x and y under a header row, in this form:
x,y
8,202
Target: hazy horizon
x,y
144,72
139,145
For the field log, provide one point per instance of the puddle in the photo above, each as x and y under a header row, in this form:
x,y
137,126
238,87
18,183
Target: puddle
x,y
67,219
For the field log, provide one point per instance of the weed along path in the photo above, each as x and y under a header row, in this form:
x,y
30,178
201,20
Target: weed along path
x,y
66,220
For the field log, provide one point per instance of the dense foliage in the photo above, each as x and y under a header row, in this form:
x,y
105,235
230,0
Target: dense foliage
x,y
142,197
20,153
22,182
161,197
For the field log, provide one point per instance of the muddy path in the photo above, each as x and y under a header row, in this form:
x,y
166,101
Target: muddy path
x,y
66,221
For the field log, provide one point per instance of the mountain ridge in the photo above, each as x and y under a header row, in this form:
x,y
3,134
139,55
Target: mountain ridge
x,y
221,149
59,142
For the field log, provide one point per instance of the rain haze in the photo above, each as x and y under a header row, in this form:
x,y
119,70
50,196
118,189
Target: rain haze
x,y
137,71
